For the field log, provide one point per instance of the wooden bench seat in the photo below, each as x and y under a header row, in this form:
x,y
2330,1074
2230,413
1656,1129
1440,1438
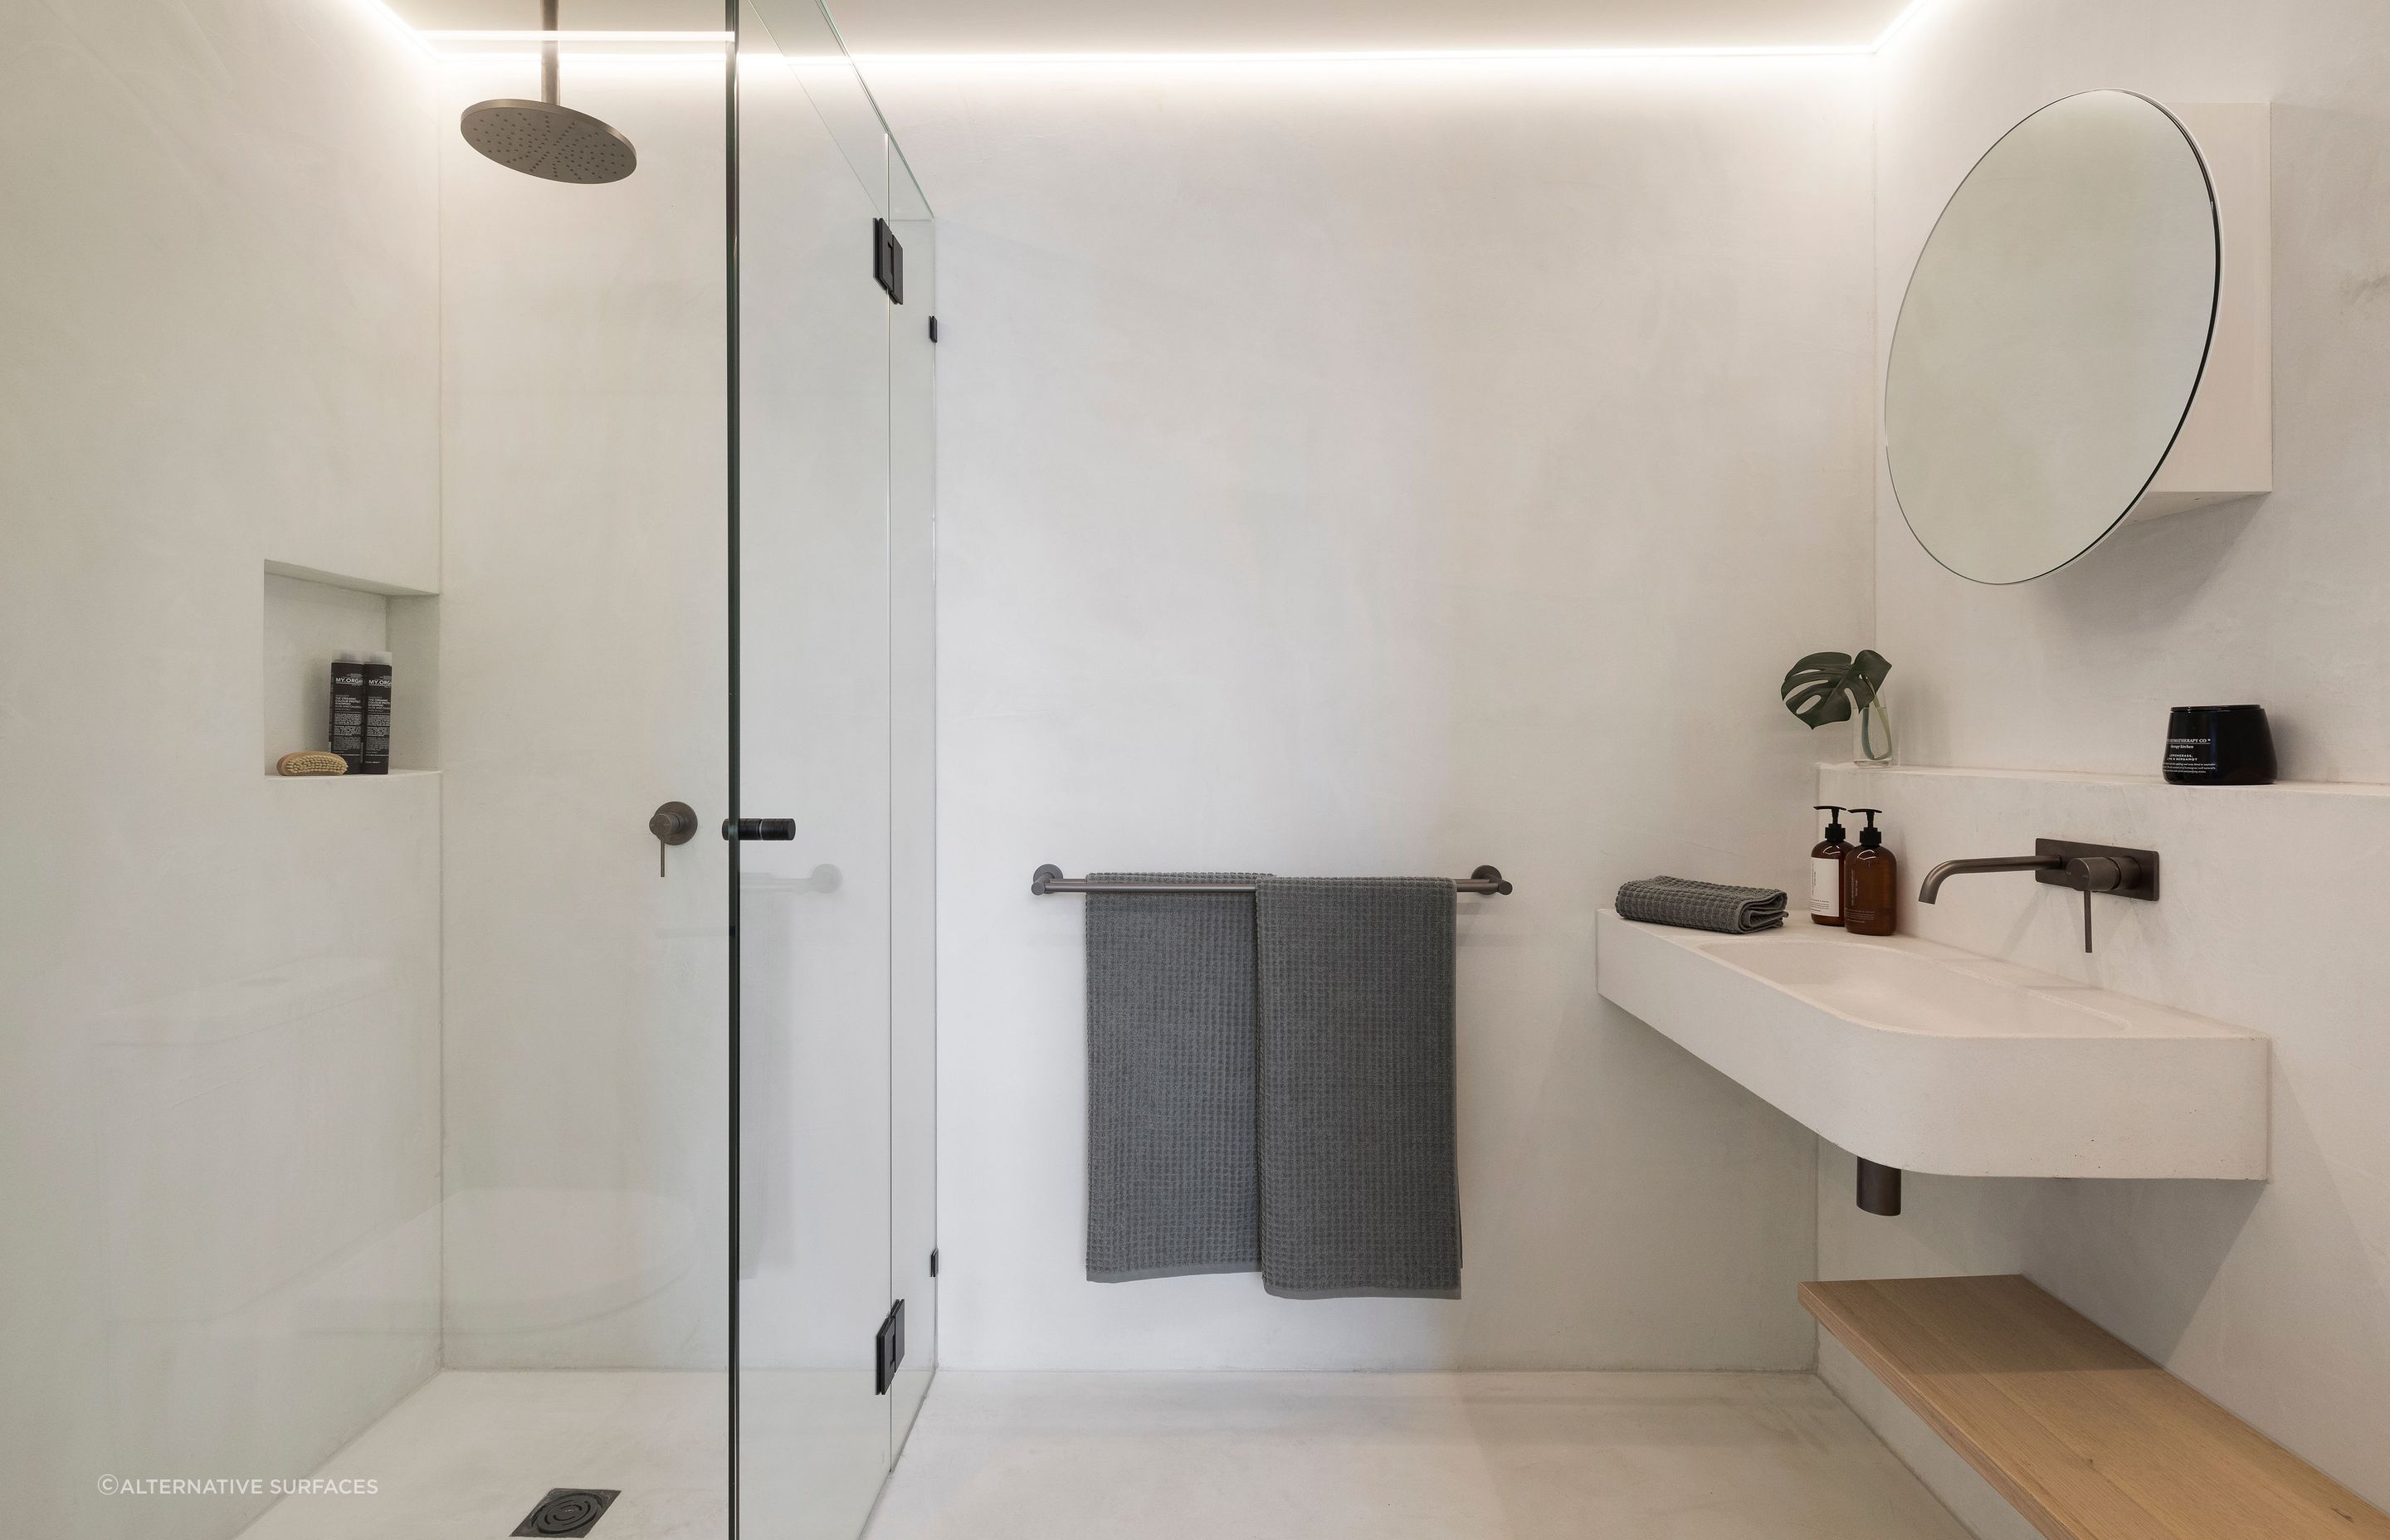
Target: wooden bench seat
x,y
2089,1439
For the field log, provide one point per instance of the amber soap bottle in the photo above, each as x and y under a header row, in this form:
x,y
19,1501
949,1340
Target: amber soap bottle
x,y
1825,870
1870,882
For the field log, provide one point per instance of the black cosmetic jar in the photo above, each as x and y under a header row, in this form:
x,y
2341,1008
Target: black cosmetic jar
x,y
2219,746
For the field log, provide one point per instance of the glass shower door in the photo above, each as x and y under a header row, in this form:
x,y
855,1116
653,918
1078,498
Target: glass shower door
x,y
913,795
813,755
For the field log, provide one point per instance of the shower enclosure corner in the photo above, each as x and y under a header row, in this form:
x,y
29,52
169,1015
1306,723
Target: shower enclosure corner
x,y
498,1096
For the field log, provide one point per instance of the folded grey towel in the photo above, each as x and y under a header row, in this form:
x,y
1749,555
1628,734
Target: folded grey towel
x,y
1170,1082
1701,905
1360,1189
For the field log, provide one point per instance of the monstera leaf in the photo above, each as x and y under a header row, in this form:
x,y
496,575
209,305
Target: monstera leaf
x,y
1824,687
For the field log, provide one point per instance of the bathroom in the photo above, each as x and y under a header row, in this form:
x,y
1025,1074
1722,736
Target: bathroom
x,y
894,449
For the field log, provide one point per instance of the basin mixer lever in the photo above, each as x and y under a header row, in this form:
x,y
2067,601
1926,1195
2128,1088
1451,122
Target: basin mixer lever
x,y
2087,869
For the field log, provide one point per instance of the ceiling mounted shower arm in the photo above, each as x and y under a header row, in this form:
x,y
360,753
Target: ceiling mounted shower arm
x,y
545,138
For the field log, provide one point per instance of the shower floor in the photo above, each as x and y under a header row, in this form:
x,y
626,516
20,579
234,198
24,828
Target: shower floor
x,y
467,1456
1164,1456
1399,1456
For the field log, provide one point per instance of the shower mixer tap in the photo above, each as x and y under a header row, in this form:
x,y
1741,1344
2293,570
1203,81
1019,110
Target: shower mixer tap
x,y
672,824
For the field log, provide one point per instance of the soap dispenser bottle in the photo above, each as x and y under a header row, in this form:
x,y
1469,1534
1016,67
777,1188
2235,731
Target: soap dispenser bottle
x,y
1870,882
1825,870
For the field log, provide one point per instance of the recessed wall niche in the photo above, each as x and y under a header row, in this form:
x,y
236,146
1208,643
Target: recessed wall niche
x,y
310,618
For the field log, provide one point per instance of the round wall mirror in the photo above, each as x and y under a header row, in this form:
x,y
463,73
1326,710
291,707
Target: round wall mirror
x,y
2053,336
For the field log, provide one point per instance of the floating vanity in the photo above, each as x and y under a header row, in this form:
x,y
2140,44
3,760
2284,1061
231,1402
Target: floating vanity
x,y
1911,1054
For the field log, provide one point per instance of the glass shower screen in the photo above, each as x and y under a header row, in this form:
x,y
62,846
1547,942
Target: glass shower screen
x,y
834,1212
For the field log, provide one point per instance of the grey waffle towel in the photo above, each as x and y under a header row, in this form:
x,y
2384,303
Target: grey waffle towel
x,y
1701,905
1361,1190
1170,1082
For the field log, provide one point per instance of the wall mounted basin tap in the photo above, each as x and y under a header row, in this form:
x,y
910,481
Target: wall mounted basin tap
x,y
2089,869
1932,888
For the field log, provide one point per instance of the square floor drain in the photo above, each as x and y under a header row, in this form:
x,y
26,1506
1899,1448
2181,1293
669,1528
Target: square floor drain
x,y
568,1511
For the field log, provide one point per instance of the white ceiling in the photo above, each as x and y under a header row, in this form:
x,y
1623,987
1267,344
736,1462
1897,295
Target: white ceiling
x,y
1241,26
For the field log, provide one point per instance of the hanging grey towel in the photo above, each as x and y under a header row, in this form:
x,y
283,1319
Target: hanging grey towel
x,y
1360,1189
1701,905
1170,1081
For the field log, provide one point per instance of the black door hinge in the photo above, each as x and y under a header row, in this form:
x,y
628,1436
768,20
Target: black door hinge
x,y
933,1262
888,1350
933,328
888,260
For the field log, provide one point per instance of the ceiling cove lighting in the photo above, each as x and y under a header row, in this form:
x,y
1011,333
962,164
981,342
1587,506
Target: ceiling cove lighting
x,y
1414,55
1892,28
400,24
594,63
1233,60
473,36
599,48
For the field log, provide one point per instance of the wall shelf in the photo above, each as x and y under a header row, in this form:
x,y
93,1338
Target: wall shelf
x,y
391,776
2085,1436
2087,778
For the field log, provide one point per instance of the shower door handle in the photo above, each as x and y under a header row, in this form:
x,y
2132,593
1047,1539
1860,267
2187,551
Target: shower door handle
x,y
759,828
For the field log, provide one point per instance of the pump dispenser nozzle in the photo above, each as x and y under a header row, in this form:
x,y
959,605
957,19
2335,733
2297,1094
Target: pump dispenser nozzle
x,y
1834,829
1869,835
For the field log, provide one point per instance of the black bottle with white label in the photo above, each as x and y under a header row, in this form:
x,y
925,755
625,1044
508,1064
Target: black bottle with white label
x,y
375,700
344,734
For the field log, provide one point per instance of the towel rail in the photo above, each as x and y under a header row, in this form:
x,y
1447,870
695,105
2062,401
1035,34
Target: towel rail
x,y
1049,879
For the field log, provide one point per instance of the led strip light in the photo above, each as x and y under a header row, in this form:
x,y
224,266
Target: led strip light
x,y
1231,60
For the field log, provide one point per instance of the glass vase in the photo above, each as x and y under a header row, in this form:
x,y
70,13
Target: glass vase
x,y
1875,742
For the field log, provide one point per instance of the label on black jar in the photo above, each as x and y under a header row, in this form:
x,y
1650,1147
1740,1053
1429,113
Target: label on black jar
x,y
2191,756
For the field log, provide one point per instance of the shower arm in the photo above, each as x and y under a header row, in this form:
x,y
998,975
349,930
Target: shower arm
x,y
547,51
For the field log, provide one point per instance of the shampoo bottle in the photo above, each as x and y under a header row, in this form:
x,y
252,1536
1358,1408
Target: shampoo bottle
x,y
1825,870
376,698
345,733
1870,882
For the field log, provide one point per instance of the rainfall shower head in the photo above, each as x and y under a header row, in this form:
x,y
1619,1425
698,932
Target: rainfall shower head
x,y
545,138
